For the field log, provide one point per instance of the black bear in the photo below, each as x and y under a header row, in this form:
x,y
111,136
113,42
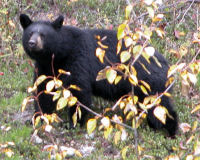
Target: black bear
x,y
74,51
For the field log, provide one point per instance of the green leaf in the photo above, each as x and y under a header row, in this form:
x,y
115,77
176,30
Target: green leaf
x,y
125,56
111,74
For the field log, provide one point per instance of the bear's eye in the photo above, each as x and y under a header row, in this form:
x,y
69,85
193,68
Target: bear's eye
x,y
30,34
42,35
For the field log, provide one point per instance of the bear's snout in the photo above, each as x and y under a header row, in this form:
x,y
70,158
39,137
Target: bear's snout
x,y
32,43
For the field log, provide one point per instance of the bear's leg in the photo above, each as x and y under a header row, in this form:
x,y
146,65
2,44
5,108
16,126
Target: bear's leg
x,y
171,124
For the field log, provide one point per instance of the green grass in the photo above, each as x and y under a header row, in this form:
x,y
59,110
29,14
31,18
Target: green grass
x,y
18,76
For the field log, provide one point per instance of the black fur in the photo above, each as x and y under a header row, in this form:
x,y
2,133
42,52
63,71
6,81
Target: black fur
x,y
74,51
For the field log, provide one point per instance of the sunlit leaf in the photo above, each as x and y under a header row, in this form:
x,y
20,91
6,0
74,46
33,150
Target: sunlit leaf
x,y
117,137
192,78
145,84
124,151
61,71
119,46
102,45
62,103
117,79
160,32
128,10
128,41
125,56
40,79
50,85
32,89
48,128
158,17
172,157
75,87
56,95
121,31
194,127
58,83
169,81
149,50
196,108
74,118
160,113
72,101
8,152
66,93
189,157
197,148
137,49
124,135
91,125
151,12
111,74
77,153
143,89
100,53
36,121
108,131
25,102
102,74
105,122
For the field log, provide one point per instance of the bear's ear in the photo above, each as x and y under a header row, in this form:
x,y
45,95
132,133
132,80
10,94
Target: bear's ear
x,y
25,21
58,22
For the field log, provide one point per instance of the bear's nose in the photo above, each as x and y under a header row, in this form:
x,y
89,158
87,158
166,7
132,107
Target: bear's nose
x,y
32,43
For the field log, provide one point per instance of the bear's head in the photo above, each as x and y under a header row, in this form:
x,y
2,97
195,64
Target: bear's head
x,y
40,37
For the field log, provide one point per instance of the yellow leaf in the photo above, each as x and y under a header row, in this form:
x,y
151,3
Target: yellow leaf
x,y
128,10
66,93
102,45
77,153
117,79
91,125
119,46
40,79
124,151
192,78
58,83
74,118
128,41
148,2
137,49
160,113
50,85
130,115
72,101
36,121
75,87
100,53
160,32
108,131
25,102
189,157
121,31
196,108
151,12
169,81
149,51
32,89
143,89
61,71
157,61
111,74
172,157
194,127
117,137
56,95
102,74
158,17
125,56
105,122
146,85
62,103
133,79
79,112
